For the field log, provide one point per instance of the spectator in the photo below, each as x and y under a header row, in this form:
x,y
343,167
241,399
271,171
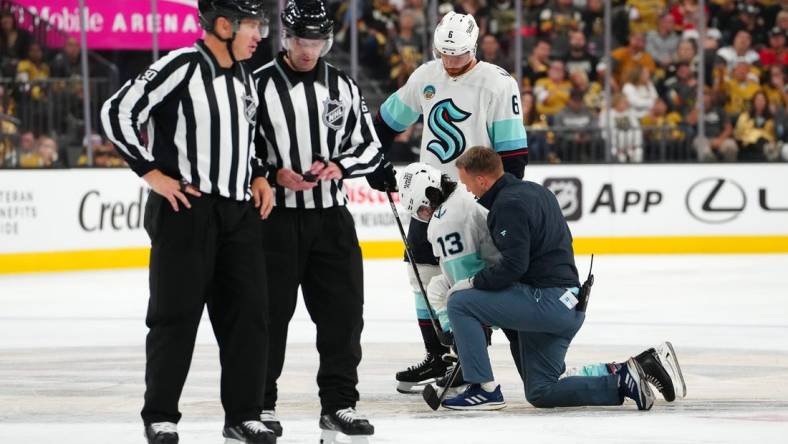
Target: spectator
x,y
755,131
740,51
718,143
644,15
32,71
594,20
537,64
578,58
405,51
67,63
592,91
663,42
32,75
628,57
556,21
490,52
48,151
626,144
681,89
640,91
577,130
775,88
28,154
750,19
776,53
104,155
685,14
662,134
536,128
686,52
14,43
740,89
782,20
552,92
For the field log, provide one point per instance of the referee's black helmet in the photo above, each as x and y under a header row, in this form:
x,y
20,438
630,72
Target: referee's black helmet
x,y
232,10
307,19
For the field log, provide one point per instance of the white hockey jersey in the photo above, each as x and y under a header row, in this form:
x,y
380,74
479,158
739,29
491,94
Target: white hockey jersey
x,y
460,238
480,107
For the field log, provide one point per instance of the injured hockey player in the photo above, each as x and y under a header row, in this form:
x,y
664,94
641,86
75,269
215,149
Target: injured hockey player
x,y
461,241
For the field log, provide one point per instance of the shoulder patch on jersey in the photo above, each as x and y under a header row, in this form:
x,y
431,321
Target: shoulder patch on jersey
x,y
440,213
250,108
148,75
429,92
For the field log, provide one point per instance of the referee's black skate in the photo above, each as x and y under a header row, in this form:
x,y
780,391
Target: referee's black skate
x,y
252,432
269,418
347,421
662,370
161,433
415,377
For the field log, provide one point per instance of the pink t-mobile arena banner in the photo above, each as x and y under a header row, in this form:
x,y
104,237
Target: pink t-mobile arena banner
x,y
124,24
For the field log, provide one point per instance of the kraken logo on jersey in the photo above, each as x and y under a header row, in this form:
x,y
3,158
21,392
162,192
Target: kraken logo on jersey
x,y
450,142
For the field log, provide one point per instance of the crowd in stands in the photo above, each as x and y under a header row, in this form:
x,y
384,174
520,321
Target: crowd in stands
x,y
652,116
41,103
655,61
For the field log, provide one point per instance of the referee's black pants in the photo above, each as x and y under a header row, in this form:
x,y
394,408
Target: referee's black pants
x,y
316,249
210,254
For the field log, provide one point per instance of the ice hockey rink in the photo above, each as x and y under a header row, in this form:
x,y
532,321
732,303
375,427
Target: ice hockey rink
x,y
72,359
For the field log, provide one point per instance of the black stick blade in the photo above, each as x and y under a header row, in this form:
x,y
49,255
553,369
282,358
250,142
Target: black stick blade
x,y
431,397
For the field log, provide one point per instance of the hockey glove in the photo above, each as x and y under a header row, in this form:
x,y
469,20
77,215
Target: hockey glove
x,y
384,178
463,284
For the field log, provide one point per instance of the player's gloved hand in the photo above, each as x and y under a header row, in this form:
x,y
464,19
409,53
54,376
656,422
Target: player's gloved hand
x,y
384,178
463,284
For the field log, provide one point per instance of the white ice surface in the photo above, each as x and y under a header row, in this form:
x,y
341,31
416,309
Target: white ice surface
x,y
72,359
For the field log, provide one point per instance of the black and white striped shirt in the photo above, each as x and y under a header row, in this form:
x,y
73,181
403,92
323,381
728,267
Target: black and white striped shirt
x,y
201,120
306,116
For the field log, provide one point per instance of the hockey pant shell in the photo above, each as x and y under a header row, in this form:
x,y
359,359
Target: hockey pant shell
x,y
210,253
545,328
317,250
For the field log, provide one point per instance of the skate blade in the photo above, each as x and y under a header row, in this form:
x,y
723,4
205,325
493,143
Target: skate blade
x,y
483,407
413,388
675,370
335,437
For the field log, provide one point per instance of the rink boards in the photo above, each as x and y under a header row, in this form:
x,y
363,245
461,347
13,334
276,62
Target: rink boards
x,y
87,219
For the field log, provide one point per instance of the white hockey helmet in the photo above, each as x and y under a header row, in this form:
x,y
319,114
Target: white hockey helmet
x,y
456,34
416,178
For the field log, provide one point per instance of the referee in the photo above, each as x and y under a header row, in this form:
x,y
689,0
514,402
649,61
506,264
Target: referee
x,y
314,131
200,107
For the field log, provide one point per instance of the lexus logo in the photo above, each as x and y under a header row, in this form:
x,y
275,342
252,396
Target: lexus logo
x,y
716,200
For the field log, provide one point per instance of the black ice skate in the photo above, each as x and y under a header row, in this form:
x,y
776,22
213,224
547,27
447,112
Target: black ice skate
x,y
347,421
253,432
269,418
662,370
161,433
419,375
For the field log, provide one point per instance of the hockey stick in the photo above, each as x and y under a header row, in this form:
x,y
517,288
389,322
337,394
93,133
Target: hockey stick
x,y
432,397
411,259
